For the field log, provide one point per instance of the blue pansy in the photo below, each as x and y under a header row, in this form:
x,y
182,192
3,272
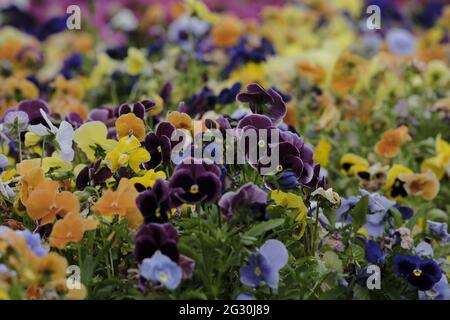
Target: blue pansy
x,y
33,242
440,230
265,264
373,252
420,273
440,291
161,269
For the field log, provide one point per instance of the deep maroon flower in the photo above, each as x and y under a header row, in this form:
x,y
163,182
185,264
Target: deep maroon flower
x,y
420,273
152,237
93,175
159,144
243,199
154,204
137,108
31,108
262,101
196,180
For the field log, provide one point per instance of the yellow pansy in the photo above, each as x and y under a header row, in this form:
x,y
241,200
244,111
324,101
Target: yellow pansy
x,y
249,73
180,120
159,105
149,178
352,164
201,10
105,66
292,201
394,187
322,152
32,139
128,152
92,135
439,163
135,61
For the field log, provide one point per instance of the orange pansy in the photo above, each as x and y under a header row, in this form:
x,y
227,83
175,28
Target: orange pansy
x,y
180,120
70,229
227,31
425,185
313,71
121,202
130,124
31,175
392,140
45,202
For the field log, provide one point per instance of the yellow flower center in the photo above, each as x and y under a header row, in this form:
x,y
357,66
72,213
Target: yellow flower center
x,y
279,168
417,272
163,277
194,189
258,271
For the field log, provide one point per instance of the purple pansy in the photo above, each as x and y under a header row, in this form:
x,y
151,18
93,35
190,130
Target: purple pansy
x,y
152,237
420,273
154,204
262,101
440,230
247,197
93,175
440,291
373,252
196,180
265,264
159,144
32,109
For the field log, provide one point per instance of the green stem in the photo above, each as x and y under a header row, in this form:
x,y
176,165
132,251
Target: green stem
x,y
316,228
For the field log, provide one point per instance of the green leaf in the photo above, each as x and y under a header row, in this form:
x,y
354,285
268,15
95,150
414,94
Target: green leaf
x,y
359,212
360,293
332,261
263,227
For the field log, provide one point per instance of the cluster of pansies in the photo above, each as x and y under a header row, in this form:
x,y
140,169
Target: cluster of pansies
x,y
108,167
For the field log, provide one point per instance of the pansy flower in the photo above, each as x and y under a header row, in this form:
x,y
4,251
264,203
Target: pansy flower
x,y
147,180
420,273
352,164
155,203
159,144
248,197
425,185
46,202
129,124
63,136
196,181
92,139
152,237
262,101
394,187
161,269
93,175
180,120
70,229
135,61
127,152
31,175
227,31
322,152
121,202
265,264
440,163
392,140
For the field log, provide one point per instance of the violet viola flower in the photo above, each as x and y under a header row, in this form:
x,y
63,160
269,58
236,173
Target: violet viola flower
x,y
152,237
154,204
159,144
93,175
265,264
196,180
138,108
32,109
249,196
264,101
420,273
